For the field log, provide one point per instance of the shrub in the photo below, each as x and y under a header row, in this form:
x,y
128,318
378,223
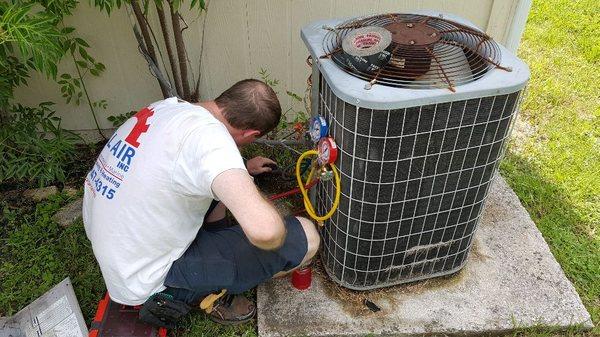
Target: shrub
x,y
34,147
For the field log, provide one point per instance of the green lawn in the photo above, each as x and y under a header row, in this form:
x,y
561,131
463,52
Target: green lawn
x,y
553,162
37,254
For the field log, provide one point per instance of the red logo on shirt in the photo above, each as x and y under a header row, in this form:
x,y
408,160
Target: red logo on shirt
x,y
139,127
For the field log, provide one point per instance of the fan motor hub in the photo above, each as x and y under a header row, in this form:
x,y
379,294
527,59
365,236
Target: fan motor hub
x,y
413,33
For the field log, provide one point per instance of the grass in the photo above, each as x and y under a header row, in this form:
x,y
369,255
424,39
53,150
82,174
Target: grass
x,y
545,331
198,326
37,254
553,162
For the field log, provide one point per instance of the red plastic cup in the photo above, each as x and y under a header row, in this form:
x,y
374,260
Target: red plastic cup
x,y
302,278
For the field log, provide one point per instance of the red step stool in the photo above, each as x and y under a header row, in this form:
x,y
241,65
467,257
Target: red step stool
x,y
117,320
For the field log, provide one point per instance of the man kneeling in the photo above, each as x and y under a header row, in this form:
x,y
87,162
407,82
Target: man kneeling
x,y
156,199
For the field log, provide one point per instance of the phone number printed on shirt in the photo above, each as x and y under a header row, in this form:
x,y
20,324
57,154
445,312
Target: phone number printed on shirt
x,y
100,186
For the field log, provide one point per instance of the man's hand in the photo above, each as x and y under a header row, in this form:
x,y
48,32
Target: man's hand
x,y
258,165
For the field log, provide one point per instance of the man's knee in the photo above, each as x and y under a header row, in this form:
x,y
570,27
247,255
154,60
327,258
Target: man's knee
x,y
312,237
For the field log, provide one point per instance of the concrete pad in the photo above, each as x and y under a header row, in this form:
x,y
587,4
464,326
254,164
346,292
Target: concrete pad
x,y
511,280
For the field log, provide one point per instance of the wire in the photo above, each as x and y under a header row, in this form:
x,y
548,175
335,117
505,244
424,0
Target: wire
x,y
307,204
290,148
293,191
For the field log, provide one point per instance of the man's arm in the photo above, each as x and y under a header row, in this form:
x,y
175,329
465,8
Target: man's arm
x,y
260,221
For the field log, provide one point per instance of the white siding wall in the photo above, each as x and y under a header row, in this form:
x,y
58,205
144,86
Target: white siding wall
x,y
241,37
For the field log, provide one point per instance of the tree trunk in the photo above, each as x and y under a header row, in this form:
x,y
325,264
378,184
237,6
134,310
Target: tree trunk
x,y
172,61
196,92
180,52
139,16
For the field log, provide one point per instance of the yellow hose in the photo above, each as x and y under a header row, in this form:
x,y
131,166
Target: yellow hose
x,y
309,207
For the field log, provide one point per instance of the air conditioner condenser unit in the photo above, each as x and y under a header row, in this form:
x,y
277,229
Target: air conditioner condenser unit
x,y
421,107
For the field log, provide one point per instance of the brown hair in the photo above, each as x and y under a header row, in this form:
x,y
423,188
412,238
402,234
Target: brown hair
x,y
250,104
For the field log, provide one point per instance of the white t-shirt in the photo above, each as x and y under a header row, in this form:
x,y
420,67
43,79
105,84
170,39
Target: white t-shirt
x,y
147,194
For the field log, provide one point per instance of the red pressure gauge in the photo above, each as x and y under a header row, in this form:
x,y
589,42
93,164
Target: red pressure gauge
x,y
328,151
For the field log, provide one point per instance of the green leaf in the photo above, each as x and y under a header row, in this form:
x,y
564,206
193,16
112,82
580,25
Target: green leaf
x,y
67,46
82,42
176,4
52,70
146,3
158,4
67,30
294,96
83,53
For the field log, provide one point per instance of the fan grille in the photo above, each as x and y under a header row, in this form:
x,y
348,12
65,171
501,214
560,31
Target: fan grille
x,y
427,52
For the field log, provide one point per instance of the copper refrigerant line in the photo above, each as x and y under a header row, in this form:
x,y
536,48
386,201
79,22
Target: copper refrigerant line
x,y
419,35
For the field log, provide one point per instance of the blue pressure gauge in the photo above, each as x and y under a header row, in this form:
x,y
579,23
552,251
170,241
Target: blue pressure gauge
x,y
317,128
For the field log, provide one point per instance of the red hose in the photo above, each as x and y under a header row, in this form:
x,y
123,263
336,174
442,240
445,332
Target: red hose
x,y
292,192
